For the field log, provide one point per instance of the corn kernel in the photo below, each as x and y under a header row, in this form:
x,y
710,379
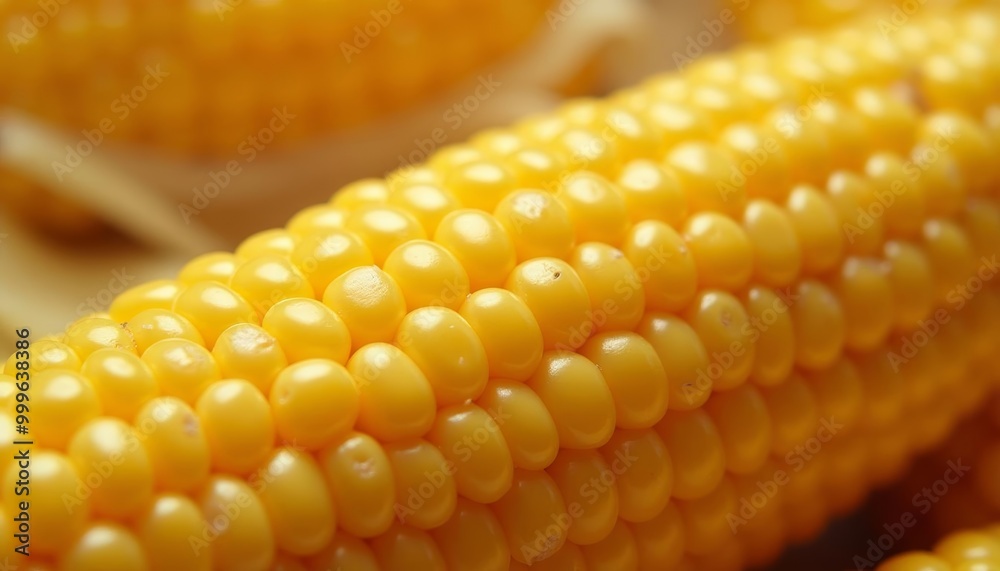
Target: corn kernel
x,y
314,402
238,425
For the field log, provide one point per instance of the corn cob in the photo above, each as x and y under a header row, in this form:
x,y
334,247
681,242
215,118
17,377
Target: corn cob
x,y
961,551
199,79
770,19
679,328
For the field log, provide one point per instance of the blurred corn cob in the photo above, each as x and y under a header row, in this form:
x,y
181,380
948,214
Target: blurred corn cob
x,y
971,502
769,19
732,309
198,79
971,550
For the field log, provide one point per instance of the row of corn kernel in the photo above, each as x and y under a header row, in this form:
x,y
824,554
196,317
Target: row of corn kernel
x,y
959,551
317,57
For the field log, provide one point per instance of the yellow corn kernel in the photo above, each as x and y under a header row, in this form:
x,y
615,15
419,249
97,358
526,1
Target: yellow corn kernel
x,y
123,382
721,322
314,402
246,351
652,191
404,547
420,267
265,280
557,297
643,473
744,424
105,546
397,401
773,334
276,242
215,266
466,539
212,308
634,375
122,488
722,252
323,257
92,333
660,540
319,219
616,551
238,540
152,325
238,425
527,425
426,491
53,478
63,402
697,451
683,357
537,223
529,514
361,483
429,203
578,475
344,552
471,441
508,331
307,329
370,303
163,529
576,394
45,354
182,368
708,177
664,265
157,294
297,502
480,244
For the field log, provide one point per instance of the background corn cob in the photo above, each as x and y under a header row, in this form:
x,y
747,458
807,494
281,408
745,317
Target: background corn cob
x,y
673,320
966,551
770,19
971,502
196,79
